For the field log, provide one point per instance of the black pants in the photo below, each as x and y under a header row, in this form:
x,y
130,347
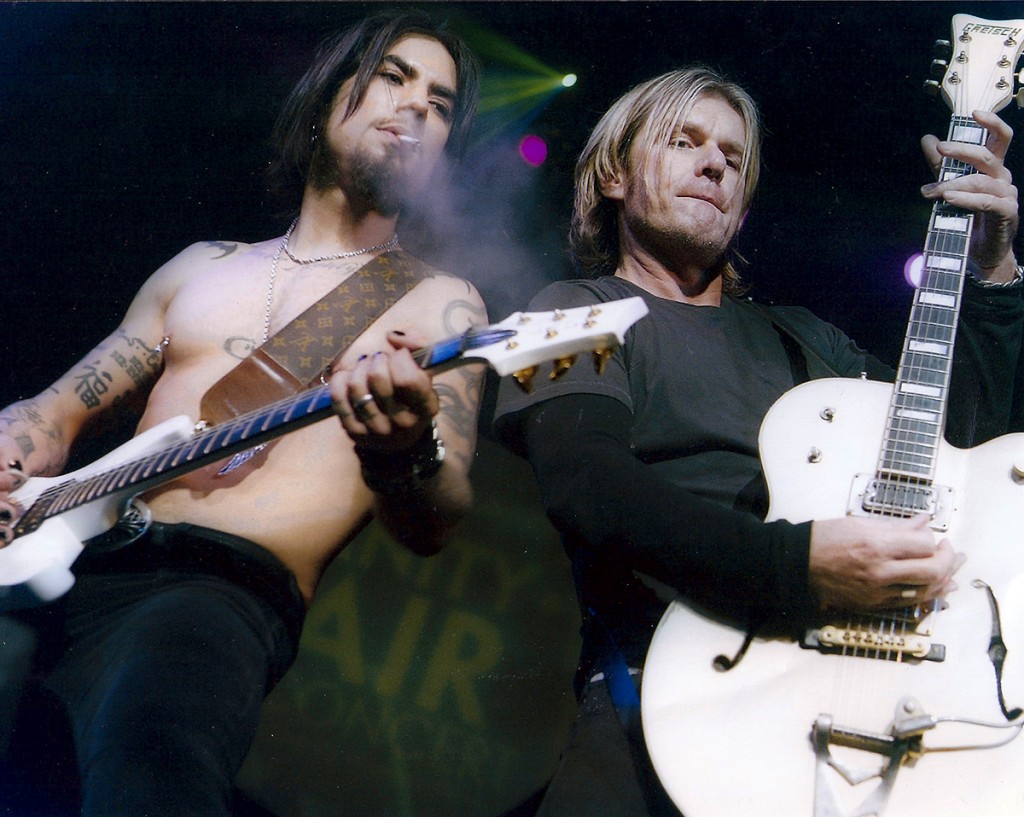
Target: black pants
x,y
159,658
604,768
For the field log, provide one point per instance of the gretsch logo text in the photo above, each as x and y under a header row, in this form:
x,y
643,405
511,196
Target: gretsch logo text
x,y
1001,31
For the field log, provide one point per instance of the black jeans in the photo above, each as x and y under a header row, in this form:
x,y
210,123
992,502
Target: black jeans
x,y
604,768
160,657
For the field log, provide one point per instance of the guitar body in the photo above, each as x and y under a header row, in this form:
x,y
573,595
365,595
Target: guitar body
x,y
738,742
35,568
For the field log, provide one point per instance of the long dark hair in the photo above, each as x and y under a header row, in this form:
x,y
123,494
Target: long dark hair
x,y
357,53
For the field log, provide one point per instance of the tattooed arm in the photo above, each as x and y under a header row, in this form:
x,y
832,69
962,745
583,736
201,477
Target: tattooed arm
x,y
36,433
393,432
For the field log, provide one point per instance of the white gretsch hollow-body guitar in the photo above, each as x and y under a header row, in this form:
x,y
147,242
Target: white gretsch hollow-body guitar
x,y
62,513
909,714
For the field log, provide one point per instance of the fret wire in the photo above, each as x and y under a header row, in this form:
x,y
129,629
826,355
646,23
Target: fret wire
x,y
925,362
70,495
916,465
914,440
915,450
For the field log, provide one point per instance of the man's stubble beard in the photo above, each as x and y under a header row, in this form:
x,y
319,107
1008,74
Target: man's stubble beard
x,y
691,245
371,184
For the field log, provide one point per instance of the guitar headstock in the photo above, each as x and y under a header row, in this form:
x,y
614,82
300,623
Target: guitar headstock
x,y
557,336
983,55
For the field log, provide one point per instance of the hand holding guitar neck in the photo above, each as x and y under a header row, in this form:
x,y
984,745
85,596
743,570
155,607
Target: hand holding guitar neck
x,y
989,193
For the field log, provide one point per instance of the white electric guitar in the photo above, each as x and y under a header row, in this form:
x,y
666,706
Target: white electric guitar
x,y
61,513
910,714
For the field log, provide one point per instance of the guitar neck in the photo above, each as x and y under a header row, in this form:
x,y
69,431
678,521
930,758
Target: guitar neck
x,y
917,414
216,443
213,444
204,447
517,344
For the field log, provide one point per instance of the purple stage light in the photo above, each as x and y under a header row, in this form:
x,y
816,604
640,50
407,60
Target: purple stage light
x,y
913,270
533,150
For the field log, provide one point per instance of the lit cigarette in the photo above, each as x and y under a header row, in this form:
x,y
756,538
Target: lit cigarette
x,y
410,141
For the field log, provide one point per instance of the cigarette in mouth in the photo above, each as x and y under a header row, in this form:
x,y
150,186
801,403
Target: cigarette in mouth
x,y
409,141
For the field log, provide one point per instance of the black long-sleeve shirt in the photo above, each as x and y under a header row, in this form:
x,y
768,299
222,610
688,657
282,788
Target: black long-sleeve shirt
x,y
654,468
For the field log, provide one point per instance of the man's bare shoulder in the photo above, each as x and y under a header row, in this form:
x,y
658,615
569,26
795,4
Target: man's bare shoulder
x,y
204,257
452,303
206,253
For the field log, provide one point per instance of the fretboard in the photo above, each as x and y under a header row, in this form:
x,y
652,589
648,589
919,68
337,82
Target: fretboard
x,y
204,447
917,413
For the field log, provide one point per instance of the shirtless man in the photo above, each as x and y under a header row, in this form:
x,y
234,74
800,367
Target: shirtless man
x,y
164,649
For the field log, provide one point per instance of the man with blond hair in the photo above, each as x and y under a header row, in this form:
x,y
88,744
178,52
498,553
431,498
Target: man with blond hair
x,y
651,471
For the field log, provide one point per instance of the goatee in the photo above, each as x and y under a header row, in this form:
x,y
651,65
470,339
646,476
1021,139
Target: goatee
x,y
372,183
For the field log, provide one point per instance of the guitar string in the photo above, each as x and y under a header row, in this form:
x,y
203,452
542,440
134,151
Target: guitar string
x,y
942,243
889,633
930,323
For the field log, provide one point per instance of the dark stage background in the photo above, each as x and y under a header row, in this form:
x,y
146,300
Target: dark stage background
x,y
128,131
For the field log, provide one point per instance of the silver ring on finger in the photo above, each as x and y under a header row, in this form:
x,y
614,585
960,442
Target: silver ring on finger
x,y
360,407
909,592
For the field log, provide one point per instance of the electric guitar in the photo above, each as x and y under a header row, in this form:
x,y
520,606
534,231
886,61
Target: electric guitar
x,y
61,513
909,713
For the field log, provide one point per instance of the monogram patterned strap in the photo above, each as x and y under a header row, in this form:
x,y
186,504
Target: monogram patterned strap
x,y
296,356
315,339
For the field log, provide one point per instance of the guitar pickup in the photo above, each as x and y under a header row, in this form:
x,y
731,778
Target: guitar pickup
x,y
872,495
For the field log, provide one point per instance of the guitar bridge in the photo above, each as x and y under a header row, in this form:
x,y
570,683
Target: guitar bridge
x,y
897,638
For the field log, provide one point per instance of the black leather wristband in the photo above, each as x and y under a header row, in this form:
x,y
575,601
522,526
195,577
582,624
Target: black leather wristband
x,y
402,472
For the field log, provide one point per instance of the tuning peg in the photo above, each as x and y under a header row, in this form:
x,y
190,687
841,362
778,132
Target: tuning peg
x,y
601,358
939,68
562,365
943,49
931,87
524,377
1019,98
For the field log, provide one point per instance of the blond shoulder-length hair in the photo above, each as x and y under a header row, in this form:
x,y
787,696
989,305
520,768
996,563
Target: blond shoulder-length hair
x,y
636,129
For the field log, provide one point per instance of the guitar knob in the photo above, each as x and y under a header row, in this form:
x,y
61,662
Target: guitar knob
x,y
943,49
931,87
1019,98
939,68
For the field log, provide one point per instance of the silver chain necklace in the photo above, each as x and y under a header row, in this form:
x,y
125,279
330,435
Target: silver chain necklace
x,y
390,244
